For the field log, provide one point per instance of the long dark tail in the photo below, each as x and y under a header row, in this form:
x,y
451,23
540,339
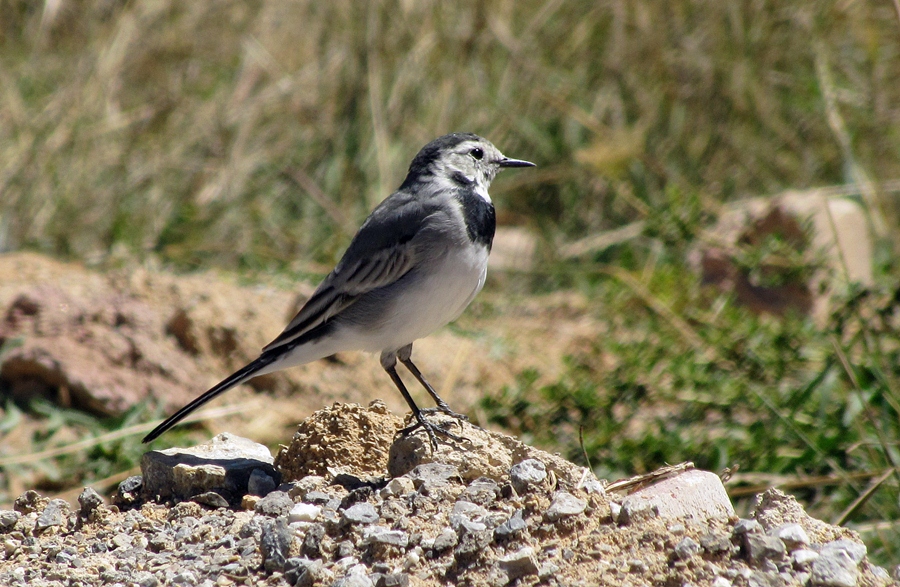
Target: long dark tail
x,y
236,378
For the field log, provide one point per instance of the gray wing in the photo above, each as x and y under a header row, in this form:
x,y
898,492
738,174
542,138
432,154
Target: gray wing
x,y
383,251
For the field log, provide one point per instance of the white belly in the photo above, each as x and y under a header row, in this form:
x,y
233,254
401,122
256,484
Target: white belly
x,y
431,303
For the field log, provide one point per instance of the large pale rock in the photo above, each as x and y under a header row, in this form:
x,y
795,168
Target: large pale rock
x,y
691,496
822,227
224,465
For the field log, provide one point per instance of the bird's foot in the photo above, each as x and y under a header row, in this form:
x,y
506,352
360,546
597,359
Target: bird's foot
x,y
432,430
445,409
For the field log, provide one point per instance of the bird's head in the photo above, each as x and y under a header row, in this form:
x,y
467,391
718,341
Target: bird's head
x,y
460,160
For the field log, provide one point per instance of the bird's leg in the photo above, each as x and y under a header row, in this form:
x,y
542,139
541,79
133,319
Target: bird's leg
x,y
389,363
405,356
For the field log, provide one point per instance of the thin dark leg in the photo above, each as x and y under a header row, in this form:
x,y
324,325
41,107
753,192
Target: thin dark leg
x,y
442,406
421,422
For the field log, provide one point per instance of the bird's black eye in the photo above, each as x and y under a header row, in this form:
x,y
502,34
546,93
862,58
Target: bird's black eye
x,y
478,153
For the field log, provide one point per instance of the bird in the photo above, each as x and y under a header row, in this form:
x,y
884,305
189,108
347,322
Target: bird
x,y
413,266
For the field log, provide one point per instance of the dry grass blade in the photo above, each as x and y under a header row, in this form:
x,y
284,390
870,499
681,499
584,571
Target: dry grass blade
x,y
863,498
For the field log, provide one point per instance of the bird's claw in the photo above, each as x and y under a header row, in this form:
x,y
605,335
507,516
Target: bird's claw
x,y
432,430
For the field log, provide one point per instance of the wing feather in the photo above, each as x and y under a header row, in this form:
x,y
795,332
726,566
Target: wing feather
x,y
384,250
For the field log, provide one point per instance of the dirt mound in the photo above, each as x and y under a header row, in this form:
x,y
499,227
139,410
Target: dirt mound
x,y
432,525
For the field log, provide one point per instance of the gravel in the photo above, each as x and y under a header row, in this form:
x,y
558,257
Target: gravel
x,y
429,527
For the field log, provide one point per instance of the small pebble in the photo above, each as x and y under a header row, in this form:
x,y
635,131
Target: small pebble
x,y
527,474
686,548
360,513
304,512
563,505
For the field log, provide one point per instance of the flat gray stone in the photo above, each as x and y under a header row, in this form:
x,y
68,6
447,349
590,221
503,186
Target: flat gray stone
x,y
520,563
834,569
446,539
54,514
564,505
384,535
482,491
761,547
466,517
360,513
527,474
8,518
686,548
855,550
89,500
511,527
793,535
277,503
224,465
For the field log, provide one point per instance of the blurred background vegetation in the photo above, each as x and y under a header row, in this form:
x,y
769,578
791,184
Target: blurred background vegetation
x,y
254,136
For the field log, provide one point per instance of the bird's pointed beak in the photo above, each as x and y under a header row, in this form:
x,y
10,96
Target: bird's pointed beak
x,y
507,162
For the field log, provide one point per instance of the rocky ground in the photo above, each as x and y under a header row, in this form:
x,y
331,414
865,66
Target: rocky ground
x,y
350,503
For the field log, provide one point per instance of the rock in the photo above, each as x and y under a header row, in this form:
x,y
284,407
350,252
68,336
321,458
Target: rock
x,y
54,514
484,454
564,505
432,474
8,518
392,580
302,572
527,474
446,539
747,526
224,465
304,512
834,569
260,483
275,543
386,536
761,547
30,501
692,496
793,535
511,527
854,550
839,229
89,500
466,517
686,548
715,543
803,556
520,563
312,541
129,492
637,511
277,503
482,491
361,513
774,508
211,499
398,486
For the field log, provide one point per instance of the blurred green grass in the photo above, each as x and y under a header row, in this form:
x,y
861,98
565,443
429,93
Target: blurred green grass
x,y
255,136
252,134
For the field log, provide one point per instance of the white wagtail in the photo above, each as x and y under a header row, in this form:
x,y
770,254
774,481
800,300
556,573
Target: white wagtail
x,y
414,266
